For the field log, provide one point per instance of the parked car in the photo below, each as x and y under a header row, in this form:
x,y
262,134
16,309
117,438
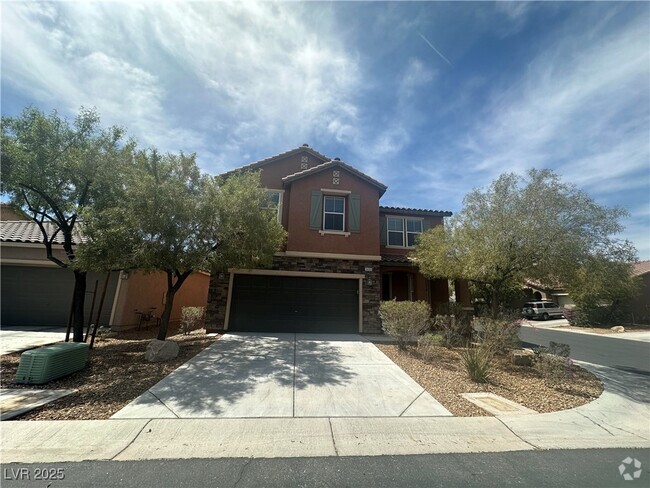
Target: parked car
x,y
542,310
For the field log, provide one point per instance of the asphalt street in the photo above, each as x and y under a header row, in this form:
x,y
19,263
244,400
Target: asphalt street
x,y
562,468
633,356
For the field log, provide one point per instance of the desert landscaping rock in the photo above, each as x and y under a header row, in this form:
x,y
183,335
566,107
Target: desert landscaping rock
x,y
522,357
618,329
158,351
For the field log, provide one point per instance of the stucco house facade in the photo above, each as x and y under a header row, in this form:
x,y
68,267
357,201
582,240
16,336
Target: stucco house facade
x,y
344,254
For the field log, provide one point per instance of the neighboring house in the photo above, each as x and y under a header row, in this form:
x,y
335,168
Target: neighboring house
x,y
344,254
534,290
38,293
640,306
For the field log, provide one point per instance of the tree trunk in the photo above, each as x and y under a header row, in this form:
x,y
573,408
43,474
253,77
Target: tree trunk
x,y
167,313
79,298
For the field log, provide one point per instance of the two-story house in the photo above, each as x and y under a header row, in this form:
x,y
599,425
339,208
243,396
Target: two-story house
x,y
344,253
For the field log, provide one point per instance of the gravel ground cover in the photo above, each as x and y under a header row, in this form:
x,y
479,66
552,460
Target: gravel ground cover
x,y
444,377
116,373
607,330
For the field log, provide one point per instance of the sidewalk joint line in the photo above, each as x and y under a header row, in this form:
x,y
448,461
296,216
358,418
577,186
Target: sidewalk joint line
x,y
596,423
336,450
409,405
517,435
164,404
132,440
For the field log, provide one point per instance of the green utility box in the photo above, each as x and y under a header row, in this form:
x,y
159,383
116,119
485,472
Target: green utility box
x,y
38,366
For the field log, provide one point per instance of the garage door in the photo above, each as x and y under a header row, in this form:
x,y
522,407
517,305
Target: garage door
x,y
262,303
41,296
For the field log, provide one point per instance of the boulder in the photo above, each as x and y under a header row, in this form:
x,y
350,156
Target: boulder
x,y
158,351
522,357
618,328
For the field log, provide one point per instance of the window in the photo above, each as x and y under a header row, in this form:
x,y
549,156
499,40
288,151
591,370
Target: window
x,y
413,229
403,232
395,231
334,213
275,202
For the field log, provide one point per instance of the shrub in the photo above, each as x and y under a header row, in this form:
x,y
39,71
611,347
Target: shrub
x,y
554,363
404,320
191,319
575,316
451,330
427,345
478,363
499,335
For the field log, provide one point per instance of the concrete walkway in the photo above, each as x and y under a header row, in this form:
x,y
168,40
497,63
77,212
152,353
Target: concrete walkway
x,y
16,339
619,418
286,375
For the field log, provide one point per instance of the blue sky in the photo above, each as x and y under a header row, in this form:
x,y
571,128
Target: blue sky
x,y
433,99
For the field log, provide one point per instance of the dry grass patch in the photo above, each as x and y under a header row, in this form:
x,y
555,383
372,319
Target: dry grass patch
x,y
445,378
115,375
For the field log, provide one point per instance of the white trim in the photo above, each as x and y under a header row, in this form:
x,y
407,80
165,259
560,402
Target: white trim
x,y
39,263
280,202
405,231
297,274
334,232
116,298
231,280
335,192
325,212
329,255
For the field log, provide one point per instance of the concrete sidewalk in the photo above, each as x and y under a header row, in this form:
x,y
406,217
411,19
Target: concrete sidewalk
x,y
619,418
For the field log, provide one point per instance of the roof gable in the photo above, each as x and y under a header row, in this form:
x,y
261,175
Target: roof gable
x,y
278,157
334,163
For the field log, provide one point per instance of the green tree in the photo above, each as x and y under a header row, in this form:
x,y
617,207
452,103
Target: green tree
x,y
53,170
533,227
175,219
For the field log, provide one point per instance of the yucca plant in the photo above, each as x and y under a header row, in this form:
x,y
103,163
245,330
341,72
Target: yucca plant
x,y
478,363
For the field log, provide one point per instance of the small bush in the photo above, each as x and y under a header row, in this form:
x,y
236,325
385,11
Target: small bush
x,y
576,316
451,330
499,335
427,345
478,363
191,319
554,363
404,320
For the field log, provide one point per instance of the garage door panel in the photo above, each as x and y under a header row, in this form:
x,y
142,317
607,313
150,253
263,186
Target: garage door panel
x,y
268,303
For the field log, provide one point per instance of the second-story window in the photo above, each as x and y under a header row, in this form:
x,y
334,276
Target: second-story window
x,y
275,202
403,232
333,213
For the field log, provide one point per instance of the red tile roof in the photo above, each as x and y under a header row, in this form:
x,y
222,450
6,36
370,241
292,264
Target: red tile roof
x,y
28,231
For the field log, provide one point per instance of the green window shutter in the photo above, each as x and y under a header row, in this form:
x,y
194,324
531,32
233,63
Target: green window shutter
x,y
354,219
383,237
316,212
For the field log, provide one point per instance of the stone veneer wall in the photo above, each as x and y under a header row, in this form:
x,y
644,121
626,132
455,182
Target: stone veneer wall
x,y
219,283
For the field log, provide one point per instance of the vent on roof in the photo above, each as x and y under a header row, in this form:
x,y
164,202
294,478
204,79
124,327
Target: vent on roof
x,y
305,145
45,364
337,159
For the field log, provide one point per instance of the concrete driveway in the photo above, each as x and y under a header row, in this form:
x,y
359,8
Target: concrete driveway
x,y
15,339
286,375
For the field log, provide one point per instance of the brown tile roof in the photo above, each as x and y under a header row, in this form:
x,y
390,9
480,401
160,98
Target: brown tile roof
x,y
262,162
28,231
640,268
396,258
334,163
415,211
